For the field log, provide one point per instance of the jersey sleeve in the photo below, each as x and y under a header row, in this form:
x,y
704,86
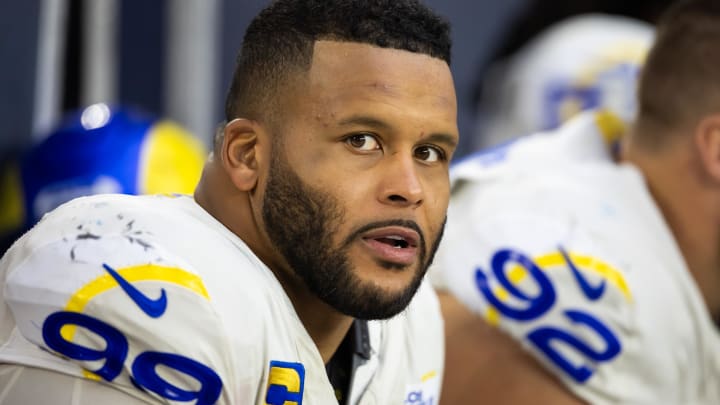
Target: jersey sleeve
x,y
552,286
590,137
111,303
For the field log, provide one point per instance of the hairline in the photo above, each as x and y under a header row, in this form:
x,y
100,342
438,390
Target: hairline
x,y
289,86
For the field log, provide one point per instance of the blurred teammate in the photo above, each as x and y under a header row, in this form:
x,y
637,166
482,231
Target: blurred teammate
x,y
94,151
295,273
584,62
571,278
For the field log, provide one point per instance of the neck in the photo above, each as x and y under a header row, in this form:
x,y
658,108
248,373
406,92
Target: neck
x,y
233,208
690,206
326,326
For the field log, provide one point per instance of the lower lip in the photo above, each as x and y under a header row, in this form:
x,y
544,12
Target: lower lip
x,y
383,251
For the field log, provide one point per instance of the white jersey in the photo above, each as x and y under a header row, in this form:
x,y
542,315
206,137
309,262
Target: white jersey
x,y
157,297
566,251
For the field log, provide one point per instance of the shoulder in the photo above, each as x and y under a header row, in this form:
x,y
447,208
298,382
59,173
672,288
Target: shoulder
x,y
556,264
102,214
589,137
133,281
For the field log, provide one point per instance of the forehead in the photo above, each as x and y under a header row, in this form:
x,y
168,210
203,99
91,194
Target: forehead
x,y
350,76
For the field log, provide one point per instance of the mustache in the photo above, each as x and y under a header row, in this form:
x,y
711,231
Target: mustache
x,y
391,222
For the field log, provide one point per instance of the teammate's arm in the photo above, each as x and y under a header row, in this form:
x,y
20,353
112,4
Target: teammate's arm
x,y
490,366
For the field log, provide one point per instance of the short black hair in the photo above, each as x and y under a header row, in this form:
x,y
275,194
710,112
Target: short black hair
x,y
280,41
680,82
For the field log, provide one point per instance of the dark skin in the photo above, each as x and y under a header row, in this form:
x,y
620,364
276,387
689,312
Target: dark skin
x,y
360,114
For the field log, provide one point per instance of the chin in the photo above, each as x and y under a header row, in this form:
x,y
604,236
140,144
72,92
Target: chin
x,y
379,295
391,283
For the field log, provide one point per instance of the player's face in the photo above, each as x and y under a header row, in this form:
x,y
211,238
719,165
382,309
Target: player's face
x,y
358,186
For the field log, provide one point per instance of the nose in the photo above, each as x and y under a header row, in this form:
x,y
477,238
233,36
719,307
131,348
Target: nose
x,y
401,184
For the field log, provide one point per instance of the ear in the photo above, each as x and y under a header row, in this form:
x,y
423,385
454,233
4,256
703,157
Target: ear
x,y
240,154
707,141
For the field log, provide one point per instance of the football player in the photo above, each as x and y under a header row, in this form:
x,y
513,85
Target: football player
x,y
295,272
569,278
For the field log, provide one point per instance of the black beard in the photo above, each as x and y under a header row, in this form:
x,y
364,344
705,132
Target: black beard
x,y
301,221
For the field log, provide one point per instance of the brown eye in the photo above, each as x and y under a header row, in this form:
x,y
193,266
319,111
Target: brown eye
x,y
428,153
364,142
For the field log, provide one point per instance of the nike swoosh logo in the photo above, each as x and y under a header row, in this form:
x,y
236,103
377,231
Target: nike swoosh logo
x,y
590,291
153,308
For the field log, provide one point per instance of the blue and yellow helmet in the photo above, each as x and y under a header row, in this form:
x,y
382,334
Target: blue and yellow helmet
x,y
588,61
95,151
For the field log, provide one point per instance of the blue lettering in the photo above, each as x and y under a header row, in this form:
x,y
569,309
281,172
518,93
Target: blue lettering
x,y
537,305
543,337
144,374
116,345
547,338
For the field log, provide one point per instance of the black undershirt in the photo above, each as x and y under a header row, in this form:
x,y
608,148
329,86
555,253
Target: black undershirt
x,y
340,368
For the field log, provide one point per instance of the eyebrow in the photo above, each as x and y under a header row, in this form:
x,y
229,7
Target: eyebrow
x,y
447,139
379,124
365,121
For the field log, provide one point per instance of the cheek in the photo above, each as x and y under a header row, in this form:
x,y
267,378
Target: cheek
x,y
437,190
326,173
348,185
437,218
436,205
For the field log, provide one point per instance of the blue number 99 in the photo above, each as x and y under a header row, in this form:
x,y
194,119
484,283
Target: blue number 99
x,y
144,371
116,347
145,375
537,305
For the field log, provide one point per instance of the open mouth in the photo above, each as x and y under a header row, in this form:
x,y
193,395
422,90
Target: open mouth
x,y
393,244
398,242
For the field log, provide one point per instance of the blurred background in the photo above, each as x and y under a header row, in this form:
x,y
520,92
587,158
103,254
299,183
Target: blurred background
x,y
174,58
160,69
